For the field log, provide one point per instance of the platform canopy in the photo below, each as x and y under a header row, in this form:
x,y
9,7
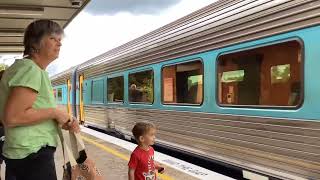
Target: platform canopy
x,y
15,15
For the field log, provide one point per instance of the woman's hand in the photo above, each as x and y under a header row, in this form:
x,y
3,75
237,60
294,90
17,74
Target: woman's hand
x,y
72,125
61,116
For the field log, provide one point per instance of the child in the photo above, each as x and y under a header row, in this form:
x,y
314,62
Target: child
x,y
142,165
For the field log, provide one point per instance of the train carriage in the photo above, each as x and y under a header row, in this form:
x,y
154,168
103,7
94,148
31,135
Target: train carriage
x,y
233,82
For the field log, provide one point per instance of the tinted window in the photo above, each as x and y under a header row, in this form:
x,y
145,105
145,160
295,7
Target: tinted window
x,y
97,91
183,83
59,94
141,87
115,89
268,76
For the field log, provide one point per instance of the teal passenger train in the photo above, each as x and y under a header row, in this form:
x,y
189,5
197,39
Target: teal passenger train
x,y
234,82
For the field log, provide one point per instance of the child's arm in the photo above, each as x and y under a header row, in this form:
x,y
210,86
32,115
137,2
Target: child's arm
x,y
159,166
132,165
131,174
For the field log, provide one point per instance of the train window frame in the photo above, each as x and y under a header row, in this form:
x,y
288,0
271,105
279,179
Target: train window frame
x,y
123,95
153,89
302,75
103,86
203,83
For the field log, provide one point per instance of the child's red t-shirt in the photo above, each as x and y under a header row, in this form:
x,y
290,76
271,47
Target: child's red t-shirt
x,y
142,162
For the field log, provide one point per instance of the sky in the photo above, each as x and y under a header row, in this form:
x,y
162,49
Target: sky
x,y
106,24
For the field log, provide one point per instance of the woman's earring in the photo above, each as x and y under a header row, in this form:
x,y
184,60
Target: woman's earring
x,y
35,50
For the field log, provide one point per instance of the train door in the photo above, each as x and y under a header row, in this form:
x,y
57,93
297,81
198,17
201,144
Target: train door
x,y
81,108
69,97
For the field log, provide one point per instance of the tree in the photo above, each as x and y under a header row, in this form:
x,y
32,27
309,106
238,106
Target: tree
x,y
280,73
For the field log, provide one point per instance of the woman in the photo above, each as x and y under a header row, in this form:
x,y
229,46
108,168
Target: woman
x,y
28,109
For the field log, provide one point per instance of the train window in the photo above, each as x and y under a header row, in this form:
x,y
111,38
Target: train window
x,y
55,93
59,94
183,83
141,87
97,91
115,89
265,76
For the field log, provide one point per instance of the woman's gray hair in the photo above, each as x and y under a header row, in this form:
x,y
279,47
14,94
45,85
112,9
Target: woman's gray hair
x,y
36,31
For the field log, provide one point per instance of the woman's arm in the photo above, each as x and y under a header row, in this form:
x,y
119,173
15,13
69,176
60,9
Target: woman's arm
x,y
19,111
131,174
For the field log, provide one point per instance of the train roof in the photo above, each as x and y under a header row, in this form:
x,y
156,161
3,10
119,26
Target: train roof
x,y
61,77
218,25
15,15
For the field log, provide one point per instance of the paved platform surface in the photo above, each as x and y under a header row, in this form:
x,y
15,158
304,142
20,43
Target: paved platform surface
x,y
112,155
112,160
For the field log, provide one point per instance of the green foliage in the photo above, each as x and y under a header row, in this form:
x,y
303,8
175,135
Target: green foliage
x,y
232,76
148,88
144,84
115,87
280,73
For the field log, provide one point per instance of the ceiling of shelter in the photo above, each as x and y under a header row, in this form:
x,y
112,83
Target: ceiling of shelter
x,y
15,15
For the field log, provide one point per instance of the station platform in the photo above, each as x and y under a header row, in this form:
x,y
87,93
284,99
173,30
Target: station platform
x,y
112,155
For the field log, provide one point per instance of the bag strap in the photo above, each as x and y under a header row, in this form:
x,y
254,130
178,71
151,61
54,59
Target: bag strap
x,y
74,145
76,142
65,149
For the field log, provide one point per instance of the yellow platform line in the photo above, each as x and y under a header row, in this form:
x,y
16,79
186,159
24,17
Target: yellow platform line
x,y
118,154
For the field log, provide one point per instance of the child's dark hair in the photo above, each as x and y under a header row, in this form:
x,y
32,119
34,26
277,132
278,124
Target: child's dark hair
x,y
141,128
